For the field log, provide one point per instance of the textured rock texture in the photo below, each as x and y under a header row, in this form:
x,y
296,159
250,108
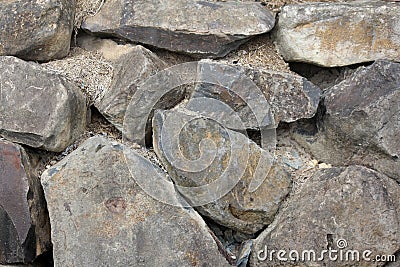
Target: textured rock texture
x,y
290,97
355,203
164,90
131,66
196,27
36,30
242,97
228,168
25,226
360,123
192,133
339,34
37,107
101,217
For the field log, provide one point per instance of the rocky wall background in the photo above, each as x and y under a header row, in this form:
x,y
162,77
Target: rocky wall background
x,y
199,133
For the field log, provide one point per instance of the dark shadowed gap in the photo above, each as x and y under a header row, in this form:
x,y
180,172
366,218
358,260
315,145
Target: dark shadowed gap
x,y
322,76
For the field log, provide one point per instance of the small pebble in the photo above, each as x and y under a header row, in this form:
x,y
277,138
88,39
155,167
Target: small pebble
x,y
136,146
324,166
313,163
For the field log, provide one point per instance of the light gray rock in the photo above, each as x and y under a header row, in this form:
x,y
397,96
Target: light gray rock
x,y
131,66
339,34
290,97
36,30
25,226
360,124
355,204
227,176
101,217
196,27
37,107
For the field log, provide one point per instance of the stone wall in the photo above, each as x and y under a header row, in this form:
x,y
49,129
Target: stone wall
x,y
199,133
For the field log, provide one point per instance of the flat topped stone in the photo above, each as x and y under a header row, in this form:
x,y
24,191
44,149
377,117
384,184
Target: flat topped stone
x,y
339,34
195,27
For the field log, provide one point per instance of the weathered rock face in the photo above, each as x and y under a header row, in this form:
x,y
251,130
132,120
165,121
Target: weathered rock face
x,y
101,217
361,122
290,97
354,204
366,107
161,91
25,226
36,30
196,27
243,98
131,66
219,178
38,108
238,135
339,34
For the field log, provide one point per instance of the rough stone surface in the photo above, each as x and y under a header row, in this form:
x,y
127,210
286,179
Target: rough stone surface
x,y
290,96
161,91
180,141
37,107
25,226
355,203
339,34
259,97
361,123
197,27
101,217
36,30
131,66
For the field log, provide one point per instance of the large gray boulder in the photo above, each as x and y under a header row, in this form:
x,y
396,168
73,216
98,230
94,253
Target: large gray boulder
x,y
360,123
260,98
289,96
347,210
101,217
339,34
196,27
132,64
25,226
37,107
226,175
36,30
